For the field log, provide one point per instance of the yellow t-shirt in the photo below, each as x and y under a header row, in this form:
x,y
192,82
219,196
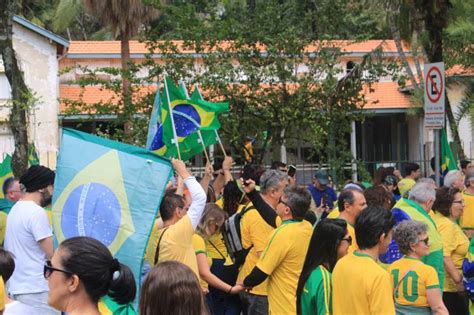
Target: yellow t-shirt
x,y
254,232
216,248
283,260
152,243
334,214
405,185
199,245
2,295
361,286
176,244
467,219
455,245
412,289
3,226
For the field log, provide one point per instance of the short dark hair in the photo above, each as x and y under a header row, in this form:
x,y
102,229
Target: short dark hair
x,y
346,196
7,185
464,163
299,200
168,205
378,196
93,263
7,264
276,165
410,168
444,199
371,224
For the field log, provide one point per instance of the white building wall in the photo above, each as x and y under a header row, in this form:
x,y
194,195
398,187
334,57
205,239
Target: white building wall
x,y
39,63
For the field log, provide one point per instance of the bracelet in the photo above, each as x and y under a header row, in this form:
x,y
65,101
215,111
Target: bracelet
x,y
230,290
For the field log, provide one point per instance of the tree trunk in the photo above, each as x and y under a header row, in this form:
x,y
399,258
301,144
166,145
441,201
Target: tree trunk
x,y
21,96
391,14
126,93
436,21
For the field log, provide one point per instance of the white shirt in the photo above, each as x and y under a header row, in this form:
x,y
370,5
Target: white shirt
x,y
18,308
27,224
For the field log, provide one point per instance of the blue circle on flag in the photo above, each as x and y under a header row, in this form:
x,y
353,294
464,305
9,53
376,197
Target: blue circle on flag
x,y
186,119
92,210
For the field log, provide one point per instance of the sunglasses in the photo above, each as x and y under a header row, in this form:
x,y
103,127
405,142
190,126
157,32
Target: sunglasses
x,y
348,239
426,241
48,270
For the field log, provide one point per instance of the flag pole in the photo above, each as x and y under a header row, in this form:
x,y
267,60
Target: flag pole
x,y
217,134
172,119
220,143
203,146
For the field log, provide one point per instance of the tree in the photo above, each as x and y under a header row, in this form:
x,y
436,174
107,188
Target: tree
x,y
125,19
262,57
21,95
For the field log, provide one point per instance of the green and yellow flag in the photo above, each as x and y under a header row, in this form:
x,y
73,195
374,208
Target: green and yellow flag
x,y
448,161
32,155
189,116
5,172
110,191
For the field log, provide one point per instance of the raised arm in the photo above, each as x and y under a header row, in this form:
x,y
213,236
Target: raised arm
x,y
264,209
198,197
206,179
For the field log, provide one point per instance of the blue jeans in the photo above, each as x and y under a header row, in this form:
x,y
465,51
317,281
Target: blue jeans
x,y
253,304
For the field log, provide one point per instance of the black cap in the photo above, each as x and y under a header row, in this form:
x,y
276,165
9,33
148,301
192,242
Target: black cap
x,y
37,177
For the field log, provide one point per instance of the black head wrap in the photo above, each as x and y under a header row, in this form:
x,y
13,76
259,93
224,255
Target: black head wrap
x,y
37,177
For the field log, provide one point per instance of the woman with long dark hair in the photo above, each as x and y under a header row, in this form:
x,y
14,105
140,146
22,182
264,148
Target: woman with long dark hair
x,y
81,271
330,241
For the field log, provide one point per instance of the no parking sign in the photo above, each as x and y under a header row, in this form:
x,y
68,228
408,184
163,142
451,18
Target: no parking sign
x,y
434,95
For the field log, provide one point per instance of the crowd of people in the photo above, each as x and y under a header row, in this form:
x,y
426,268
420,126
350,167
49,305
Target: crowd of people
x,y
255,244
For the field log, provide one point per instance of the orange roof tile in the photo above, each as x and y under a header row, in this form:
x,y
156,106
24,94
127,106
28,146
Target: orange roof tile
x,y
460,70
113,47
386,95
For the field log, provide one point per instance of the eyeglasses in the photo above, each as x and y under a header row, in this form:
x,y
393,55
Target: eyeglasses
x,y
282,202
348,239
426,241
48,270
459,201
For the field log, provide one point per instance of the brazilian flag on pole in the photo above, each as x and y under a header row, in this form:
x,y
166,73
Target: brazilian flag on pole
x,y
109,191
448,161
188,116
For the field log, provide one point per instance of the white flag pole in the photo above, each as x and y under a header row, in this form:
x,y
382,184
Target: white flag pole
x,y
172,119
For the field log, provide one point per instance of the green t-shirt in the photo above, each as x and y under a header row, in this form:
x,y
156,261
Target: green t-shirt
x,y
316,298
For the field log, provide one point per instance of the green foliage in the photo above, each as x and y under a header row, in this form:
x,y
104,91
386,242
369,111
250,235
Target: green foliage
x,y
277,79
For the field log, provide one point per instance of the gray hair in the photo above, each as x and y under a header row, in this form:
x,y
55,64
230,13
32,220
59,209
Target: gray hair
x,y
422,192
407,233
451,177
298,199
271,179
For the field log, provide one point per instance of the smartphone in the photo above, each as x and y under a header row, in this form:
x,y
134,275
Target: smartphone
x,y
324,200
291,170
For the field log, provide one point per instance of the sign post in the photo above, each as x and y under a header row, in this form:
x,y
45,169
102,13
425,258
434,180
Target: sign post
x,y
434,91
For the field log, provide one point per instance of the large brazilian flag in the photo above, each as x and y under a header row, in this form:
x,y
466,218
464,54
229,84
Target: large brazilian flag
x,y
109,191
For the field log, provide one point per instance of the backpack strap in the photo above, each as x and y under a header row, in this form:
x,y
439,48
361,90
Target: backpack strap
x,y
157,252
212,244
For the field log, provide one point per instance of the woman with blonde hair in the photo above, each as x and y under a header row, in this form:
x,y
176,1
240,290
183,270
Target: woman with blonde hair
x,y
210,224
